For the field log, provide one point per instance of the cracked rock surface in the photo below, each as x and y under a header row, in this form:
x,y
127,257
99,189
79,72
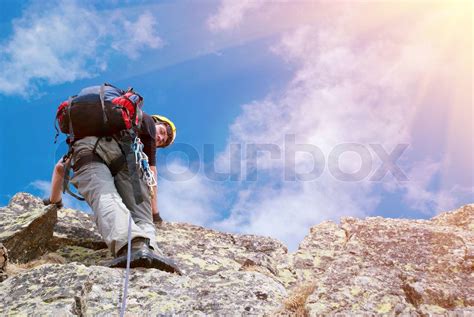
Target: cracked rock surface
x,y
26,226
390,266
3,263
372,266
74,289
77,228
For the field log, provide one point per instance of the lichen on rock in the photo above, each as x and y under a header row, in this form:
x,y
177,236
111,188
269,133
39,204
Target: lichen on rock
x,y
76,228
390,266
3,263
372,266
26,226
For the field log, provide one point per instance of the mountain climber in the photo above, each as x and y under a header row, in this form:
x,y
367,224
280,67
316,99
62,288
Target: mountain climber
x,y
112,150
165,134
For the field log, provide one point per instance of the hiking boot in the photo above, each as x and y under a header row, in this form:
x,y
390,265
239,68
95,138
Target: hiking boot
x,y
47,202
143,255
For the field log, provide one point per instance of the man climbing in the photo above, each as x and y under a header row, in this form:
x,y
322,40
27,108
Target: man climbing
x,y
115,172
164,136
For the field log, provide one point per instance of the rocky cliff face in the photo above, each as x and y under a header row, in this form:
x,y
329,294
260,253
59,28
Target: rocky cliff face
x,y
51,263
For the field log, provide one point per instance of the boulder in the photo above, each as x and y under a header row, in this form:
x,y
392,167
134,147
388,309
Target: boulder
x,y
26,226
75,228
197,249
389,266
366,267
201,251
74,289
462,218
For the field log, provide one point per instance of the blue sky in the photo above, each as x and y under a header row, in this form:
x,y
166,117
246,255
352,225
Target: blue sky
x,y
253,72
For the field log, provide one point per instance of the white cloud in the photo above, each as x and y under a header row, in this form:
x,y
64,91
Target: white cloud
x,y
44,188
230,13
421,194
140,35
351,85
66,41
185,196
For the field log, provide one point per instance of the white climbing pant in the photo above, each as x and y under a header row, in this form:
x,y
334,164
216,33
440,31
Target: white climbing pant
x,y
111,197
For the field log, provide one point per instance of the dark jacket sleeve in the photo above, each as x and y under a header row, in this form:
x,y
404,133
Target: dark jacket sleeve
x,y
147,135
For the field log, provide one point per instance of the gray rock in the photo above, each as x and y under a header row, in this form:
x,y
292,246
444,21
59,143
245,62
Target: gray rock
x,y
462,218
74,289
368,267
201,251
3,263
389,266
26,226
75,228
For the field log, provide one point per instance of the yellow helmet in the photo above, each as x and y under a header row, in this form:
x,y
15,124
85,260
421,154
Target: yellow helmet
x,y
171,128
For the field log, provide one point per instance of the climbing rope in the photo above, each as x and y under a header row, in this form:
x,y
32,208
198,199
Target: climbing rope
x,y
142,159
127,270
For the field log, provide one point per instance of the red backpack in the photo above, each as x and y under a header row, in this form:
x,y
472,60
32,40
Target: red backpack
x,y
99,111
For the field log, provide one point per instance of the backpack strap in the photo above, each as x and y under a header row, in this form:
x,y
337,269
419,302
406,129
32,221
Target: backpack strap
x,y
67,177
74,194
102,102
67,166
135,106
57,130
110,85
71,130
